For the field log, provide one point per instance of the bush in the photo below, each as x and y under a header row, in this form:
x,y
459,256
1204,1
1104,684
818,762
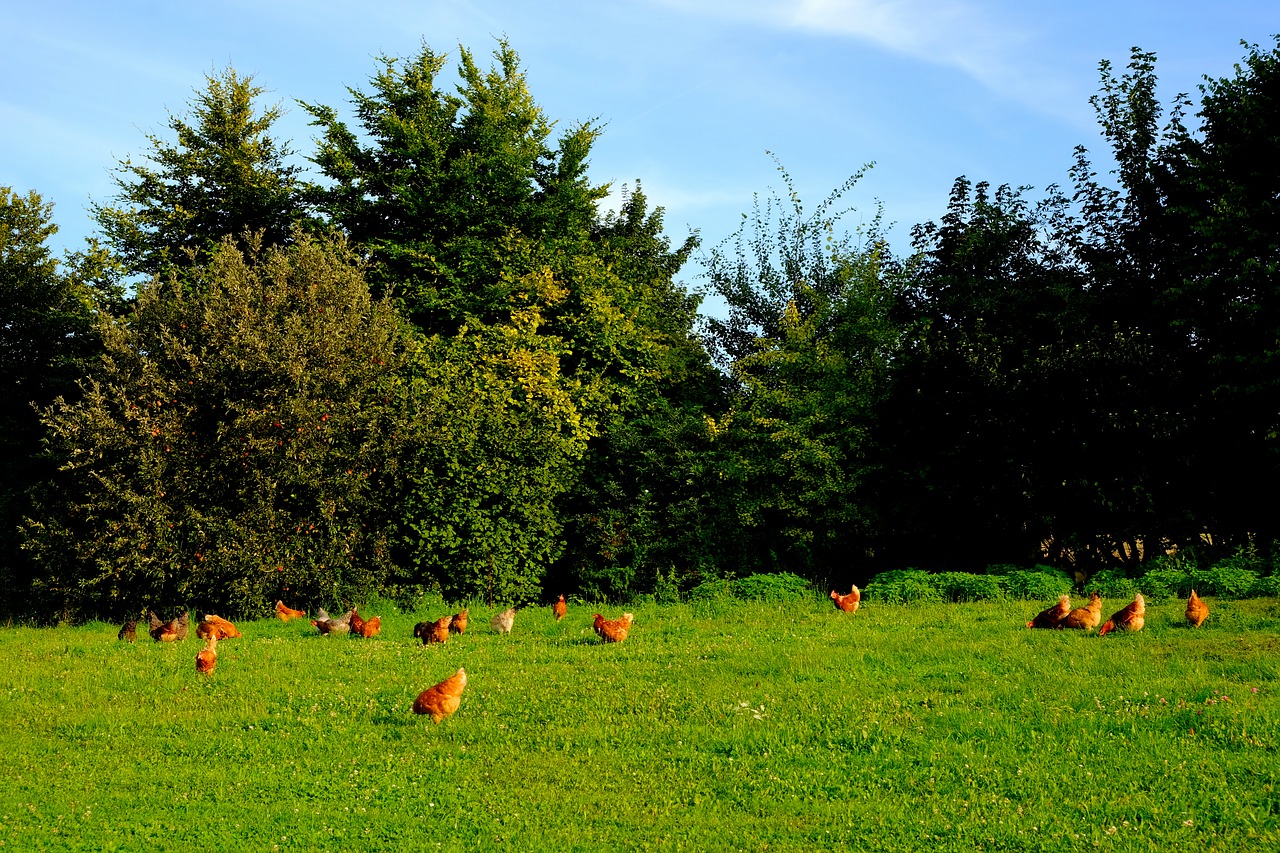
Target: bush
x,y
1039,584
1226,579
963,586
1113,583
1166,583
903,586
714,589
777,587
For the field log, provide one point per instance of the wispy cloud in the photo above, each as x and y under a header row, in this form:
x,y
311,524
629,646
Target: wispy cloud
x,y
988,44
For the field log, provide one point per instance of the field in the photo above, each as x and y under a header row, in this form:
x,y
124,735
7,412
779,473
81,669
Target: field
x,y
721,726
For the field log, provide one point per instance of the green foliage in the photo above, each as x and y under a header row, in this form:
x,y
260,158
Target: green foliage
x,y
222,176
496,433
774,587
963,586
239,442
46,336
1114,583
809,340
902,586
1041,583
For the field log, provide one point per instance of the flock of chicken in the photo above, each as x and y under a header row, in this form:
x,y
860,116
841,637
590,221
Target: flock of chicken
x,y
444,698
439,701
1132,617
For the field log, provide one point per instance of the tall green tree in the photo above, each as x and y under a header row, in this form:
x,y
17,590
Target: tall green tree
x,y
485,228
810,338
238,440
223,174
46,336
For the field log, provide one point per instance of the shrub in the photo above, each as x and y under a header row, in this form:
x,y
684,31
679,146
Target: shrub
x,y
1226,579
1112,583
713,589
1166,583
779,586
963,586
903,586
1039,584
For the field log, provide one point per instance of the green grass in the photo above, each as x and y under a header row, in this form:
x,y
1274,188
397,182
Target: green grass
x,y
717,726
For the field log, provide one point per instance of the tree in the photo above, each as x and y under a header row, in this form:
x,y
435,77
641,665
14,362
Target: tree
x,y
240,438
810,339
455,196
487,232
45,339
223,175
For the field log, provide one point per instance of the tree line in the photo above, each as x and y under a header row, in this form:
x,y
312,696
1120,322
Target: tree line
x,y
430,363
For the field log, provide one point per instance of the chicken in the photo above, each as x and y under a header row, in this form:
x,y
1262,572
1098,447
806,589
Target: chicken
x,y
357,622
370,627
848,603
128,631
1052,617
1197,610
443,699
171,631
1085,618
216,627
560,608
327,625
613,630
1131,618
503,622
207,658
458,622
433,632
287,613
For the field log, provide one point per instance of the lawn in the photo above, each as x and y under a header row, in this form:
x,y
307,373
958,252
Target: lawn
x,y
717,726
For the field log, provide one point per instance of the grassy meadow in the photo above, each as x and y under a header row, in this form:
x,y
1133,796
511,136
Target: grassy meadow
x,y
717,726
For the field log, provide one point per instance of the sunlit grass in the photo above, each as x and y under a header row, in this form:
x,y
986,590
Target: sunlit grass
x,y
713,727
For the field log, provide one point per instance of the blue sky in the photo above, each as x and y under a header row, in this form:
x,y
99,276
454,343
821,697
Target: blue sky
x,y
692,94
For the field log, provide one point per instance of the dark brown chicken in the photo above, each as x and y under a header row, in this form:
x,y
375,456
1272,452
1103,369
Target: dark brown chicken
x,y
1131,618
1085,618
1197,610
128,631
848,603
443,699
357,622
1052,617
613,630
559,609
172,631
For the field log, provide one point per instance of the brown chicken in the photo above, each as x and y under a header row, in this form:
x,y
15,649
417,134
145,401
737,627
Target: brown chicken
x,y
503,622
128,631
1197,610
443,699
1052,617
207,658
1085,618
458,622
433,632
1131,618
357,622
848,603
559,609
287,613
327,625
613,630
217,628
171,631
369,627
